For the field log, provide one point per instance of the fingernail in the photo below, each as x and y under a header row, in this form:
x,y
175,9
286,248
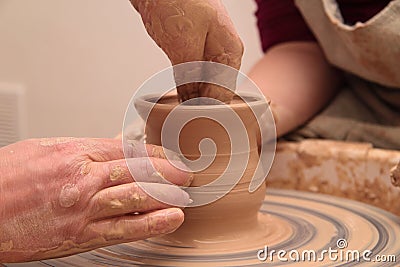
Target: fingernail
x,y
174,217
189,180
157,177
165,222
182,167
168,194
172,155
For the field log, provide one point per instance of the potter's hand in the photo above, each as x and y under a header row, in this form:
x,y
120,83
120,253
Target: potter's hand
x,y
61,196
192,30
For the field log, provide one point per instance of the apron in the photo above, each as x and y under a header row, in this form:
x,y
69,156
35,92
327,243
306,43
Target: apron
x,y
368,108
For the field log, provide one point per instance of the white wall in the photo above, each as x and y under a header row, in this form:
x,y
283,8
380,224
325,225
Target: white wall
x,y
81,60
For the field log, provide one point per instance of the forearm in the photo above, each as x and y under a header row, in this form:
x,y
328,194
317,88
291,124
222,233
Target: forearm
x,y
298,80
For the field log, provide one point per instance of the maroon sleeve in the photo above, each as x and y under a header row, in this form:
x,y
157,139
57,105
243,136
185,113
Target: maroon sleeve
x,y
280,21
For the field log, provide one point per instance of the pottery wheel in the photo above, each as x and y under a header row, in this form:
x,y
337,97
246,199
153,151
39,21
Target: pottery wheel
x,y
296,221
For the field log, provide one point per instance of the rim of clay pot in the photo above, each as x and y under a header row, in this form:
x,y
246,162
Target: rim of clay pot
x,y
171,100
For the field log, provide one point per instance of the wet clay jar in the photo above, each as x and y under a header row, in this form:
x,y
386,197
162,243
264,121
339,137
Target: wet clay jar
x,y
233,221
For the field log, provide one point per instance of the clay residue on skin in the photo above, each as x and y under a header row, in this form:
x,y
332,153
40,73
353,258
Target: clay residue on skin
x,y
6,246
136,200
194,30
69,247
117,173
69,195
55,141
160,152
116,204
395,175
85,169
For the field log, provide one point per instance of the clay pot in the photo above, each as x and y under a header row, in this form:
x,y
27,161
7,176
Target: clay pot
x,y
234,217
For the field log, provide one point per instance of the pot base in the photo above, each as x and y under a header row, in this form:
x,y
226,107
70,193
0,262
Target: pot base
x,y
269,228
315,222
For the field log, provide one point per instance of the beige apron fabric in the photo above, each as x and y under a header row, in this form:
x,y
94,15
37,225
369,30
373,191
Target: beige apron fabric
x,y
363,111
370,50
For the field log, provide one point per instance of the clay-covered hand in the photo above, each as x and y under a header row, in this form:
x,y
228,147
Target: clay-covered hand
x,y
193,30
61,196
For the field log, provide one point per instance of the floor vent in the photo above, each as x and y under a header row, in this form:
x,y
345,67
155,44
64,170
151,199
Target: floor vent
x,y
12,106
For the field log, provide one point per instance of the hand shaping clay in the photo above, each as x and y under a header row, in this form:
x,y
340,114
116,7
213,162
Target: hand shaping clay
x,y
192,30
